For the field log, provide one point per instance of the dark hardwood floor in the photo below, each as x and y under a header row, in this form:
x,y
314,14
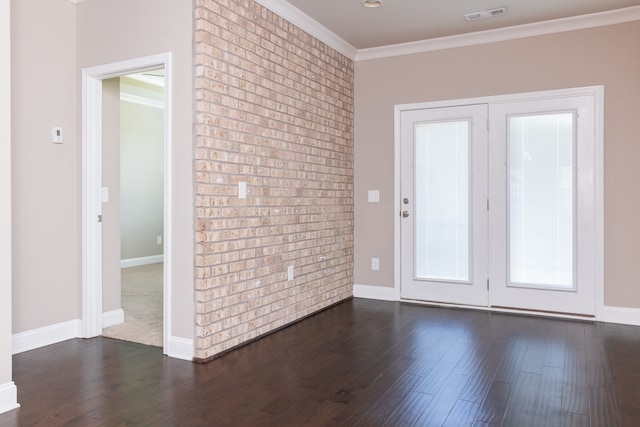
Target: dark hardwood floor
x,y
361,363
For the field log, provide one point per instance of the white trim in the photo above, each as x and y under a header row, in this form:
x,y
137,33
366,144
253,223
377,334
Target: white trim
x,y
92,182
141,100
300,19
8,397
112,318
501,310
598,198
47,335
397,204
382,293
623,315
153,80
179,348
91,204
554,26
511,97
598,93
136,262
581,22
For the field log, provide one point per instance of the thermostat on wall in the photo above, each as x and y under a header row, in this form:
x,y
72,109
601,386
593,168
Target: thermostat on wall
x,y
56,135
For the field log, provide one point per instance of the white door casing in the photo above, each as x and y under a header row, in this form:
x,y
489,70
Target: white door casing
x,y
92,187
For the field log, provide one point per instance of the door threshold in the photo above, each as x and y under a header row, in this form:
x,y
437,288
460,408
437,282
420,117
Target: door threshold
x,y
497,309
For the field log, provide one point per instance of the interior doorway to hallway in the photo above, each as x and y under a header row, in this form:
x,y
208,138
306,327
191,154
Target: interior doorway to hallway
x,y
103,219
133,217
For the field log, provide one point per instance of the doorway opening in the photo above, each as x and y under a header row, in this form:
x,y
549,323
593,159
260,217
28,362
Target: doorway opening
x,y
102,222
133,217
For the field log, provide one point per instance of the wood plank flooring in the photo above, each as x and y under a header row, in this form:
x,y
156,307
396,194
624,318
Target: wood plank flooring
x,y
361,363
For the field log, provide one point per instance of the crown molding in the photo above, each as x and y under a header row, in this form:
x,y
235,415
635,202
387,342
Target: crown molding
x,y
142,100
580,22
294,15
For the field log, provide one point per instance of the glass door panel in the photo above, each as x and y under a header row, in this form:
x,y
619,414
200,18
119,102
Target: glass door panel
x,y
442,200
541,207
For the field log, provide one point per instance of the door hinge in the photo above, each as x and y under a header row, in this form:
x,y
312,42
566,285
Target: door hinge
x,y
487,204
487,284
99,218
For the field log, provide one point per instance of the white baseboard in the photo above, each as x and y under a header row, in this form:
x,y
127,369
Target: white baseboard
x,y
135,262
8,397
113,317
375,292
40,337
179,348
610,314
626,316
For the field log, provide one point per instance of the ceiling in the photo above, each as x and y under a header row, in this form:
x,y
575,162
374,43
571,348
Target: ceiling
x,y
403,21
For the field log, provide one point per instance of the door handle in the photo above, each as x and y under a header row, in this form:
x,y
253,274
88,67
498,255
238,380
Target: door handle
x,y
405,214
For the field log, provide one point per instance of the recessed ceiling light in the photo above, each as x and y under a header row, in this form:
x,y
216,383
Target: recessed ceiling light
x,y
372,3
474,16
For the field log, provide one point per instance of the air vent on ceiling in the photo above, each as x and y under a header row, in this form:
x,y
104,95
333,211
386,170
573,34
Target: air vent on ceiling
x,y
474,16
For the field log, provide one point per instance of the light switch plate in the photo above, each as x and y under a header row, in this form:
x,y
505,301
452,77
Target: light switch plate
x,y
374,196
242,190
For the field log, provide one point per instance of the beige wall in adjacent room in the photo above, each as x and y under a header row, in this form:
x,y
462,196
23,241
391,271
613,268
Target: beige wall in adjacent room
x,y
116,30
606,56
142,185
5,195
45,176
111,271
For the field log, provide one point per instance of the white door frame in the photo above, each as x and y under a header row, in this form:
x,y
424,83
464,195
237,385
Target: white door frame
x,y
598,93
92,187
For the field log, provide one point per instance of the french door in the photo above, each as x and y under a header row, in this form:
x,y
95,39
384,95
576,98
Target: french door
x,y
542,216
502,217
444,194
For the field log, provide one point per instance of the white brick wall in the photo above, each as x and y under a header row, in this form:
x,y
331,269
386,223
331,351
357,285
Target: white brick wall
x,y
274,108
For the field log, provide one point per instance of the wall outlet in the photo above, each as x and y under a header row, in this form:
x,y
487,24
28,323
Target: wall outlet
x,y
375,263
159,240
290,273
242,190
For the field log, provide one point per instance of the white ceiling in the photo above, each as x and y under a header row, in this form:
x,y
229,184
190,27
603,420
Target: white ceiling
x,y
403,21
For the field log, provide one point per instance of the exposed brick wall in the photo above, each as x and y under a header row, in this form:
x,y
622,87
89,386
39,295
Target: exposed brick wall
x,y
274,109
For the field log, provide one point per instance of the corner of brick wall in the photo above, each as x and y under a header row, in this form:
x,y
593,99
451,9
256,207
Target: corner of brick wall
x,y
274,109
